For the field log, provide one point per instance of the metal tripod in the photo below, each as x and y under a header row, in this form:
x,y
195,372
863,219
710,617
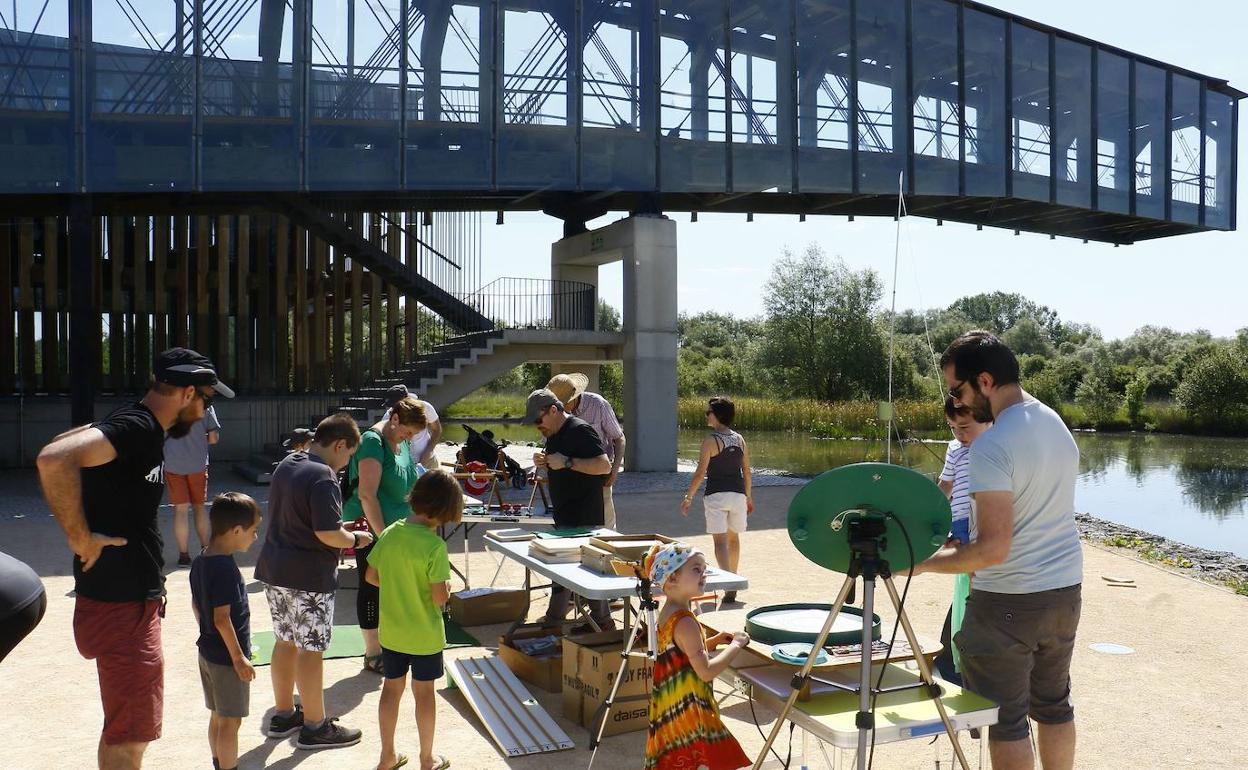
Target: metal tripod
x,y
647,607
865,535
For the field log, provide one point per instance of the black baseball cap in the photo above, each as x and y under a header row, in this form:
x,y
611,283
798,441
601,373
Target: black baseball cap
x,y
182,367
299,436
395,394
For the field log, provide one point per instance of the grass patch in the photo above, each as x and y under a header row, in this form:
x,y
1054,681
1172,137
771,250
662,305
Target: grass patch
x,y
486,404
825,419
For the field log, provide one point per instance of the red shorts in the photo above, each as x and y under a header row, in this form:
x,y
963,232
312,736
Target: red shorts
x,y
124,640
189,488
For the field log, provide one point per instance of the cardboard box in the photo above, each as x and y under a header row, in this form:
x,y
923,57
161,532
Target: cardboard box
x,y
628,547
591,663
483,606
545,671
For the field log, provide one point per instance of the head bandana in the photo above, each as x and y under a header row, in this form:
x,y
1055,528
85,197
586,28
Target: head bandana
x,y
666,560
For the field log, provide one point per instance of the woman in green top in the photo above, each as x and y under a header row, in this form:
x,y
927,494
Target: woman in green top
x,y
382,473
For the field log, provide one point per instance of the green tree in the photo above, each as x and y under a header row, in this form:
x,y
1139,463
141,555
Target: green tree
x,y
821,334
1215,388
1026,336
608,318
999,312
1097,398
1137,390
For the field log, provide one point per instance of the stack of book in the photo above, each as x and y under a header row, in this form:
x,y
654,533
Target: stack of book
x,y
557,550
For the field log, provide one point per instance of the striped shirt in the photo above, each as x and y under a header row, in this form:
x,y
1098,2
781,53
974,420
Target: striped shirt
x,y
957,463
597,411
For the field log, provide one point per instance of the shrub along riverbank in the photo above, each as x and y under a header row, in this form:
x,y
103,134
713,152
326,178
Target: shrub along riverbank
x,y
858,419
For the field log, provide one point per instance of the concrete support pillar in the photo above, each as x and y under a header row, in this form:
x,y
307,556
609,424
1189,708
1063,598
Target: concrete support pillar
x,y
647,247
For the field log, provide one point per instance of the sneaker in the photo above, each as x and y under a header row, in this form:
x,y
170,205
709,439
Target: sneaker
x,y
280,726
184,560
330,735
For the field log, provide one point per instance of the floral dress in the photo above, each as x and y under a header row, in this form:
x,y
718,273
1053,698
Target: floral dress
x,y
685,729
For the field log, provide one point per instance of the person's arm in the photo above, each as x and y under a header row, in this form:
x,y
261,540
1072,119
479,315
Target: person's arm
x,y
326,514
617,463
946,486
242,664
704,459
590,466
372,577
948,472
688,637
369,471
435,435
213,437
212,425
748,476
59,464
441,592
994,513
344,538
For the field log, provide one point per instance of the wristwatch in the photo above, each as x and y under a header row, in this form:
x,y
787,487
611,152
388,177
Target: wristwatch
x,y
355,539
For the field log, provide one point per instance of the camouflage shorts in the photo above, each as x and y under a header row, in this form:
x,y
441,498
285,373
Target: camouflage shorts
x,y
303,618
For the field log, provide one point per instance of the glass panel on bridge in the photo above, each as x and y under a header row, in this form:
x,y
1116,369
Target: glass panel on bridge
x,y
251,115
882,140
936,106
618,130
540,100
693,97
36,138
1113,140
1185,142
139,125
985,145
823,40
762,72
1150,141
1072,64
1031,140
1219,159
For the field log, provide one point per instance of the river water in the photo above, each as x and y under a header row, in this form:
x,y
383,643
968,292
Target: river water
x,y
1187,488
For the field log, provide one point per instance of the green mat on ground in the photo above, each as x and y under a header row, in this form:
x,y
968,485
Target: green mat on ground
x,y
348,642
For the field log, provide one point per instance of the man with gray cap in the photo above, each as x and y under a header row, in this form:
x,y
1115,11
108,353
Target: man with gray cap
x,y
597,411
103,483
576,466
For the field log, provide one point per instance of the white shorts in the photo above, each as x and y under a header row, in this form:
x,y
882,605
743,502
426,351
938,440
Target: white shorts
x,y
724,511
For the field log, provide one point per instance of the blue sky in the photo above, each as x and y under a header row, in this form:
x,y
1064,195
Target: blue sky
x,y
1191,282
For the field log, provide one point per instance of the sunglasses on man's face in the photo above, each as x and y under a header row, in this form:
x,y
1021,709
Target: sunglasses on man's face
x,y
956,391
205,397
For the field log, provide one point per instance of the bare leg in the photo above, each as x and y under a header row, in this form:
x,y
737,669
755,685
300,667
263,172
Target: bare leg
x,y
723,558
426,716
227,742
181,530
282,672
1011,755
121,756
388,719
734,551
1057,746
214,726
201,525
309,670
372,645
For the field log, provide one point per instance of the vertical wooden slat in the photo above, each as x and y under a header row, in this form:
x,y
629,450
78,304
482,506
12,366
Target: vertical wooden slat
x,y
178,336
357,320
97,322
409,307
26,305
281,307
394,245
375,343
127,317
243,377
51,305
116,304
263,264
8,350
142,305
301,309
222,350
341,363
160,284
320,332
202,331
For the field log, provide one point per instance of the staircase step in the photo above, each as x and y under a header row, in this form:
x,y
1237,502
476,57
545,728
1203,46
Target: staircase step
x,y
254,472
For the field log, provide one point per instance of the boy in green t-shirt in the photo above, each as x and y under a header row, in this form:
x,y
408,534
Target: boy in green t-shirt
x,y
410,565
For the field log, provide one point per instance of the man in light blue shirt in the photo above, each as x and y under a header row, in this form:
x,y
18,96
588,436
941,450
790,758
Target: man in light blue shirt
x,y
1018,635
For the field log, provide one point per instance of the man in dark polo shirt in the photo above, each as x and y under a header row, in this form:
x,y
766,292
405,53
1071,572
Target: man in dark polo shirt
x,y
576,465
104,483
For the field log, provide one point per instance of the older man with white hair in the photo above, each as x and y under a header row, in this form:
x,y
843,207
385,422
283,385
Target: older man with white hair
x,y
597,411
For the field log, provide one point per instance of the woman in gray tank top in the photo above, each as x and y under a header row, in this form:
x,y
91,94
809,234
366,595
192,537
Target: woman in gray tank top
x,y
727,501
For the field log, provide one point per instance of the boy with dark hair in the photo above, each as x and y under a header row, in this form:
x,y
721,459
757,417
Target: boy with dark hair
x,y
299,566
410,565
219,600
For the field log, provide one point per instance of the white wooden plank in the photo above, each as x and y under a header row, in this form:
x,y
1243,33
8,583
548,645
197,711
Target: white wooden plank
x,y
514,719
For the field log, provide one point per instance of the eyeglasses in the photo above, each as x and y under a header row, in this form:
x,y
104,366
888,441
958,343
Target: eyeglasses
x,y
956,391
205,397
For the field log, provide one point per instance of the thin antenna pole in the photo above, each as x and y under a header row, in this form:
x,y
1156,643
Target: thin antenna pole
x,y
892,331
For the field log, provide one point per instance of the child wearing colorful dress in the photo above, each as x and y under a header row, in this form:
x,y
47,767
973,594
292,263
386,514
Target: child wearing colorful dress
x,y
685,728
410,565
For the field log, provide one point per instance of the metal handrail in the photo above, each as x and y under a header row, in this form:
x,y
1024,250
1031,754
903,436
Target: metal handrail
x,y
536,303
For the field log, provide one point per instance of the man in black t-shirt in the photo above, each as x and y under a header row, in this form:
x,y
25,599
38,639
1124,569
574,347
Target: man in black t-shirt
x,y
103,483
576,465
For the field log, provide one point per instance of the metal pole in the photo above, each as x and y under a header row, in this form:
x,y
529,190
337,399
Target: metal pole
x,y
84,348
866,725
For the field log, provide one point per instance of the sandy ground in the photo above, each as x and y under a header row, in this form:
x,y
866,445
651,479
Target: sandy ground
x,y
1175,702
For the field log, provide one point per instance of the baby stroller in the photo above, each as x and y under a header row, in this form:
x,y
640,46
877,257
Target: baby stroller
x,y
481,450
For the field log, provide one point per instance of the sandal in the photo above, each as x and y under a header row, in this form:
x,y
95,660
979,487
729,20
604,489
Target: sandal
x,y
373,663
440,762
399,762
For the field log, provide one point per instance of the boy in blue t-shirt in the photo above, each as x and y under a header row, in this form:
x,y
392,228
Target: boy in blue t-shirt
x,y
219,599
410,565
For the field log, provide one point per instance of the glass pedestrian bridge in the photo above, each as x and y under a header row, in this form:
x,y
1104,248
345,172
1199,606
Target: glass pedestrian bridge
x,y
782,106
